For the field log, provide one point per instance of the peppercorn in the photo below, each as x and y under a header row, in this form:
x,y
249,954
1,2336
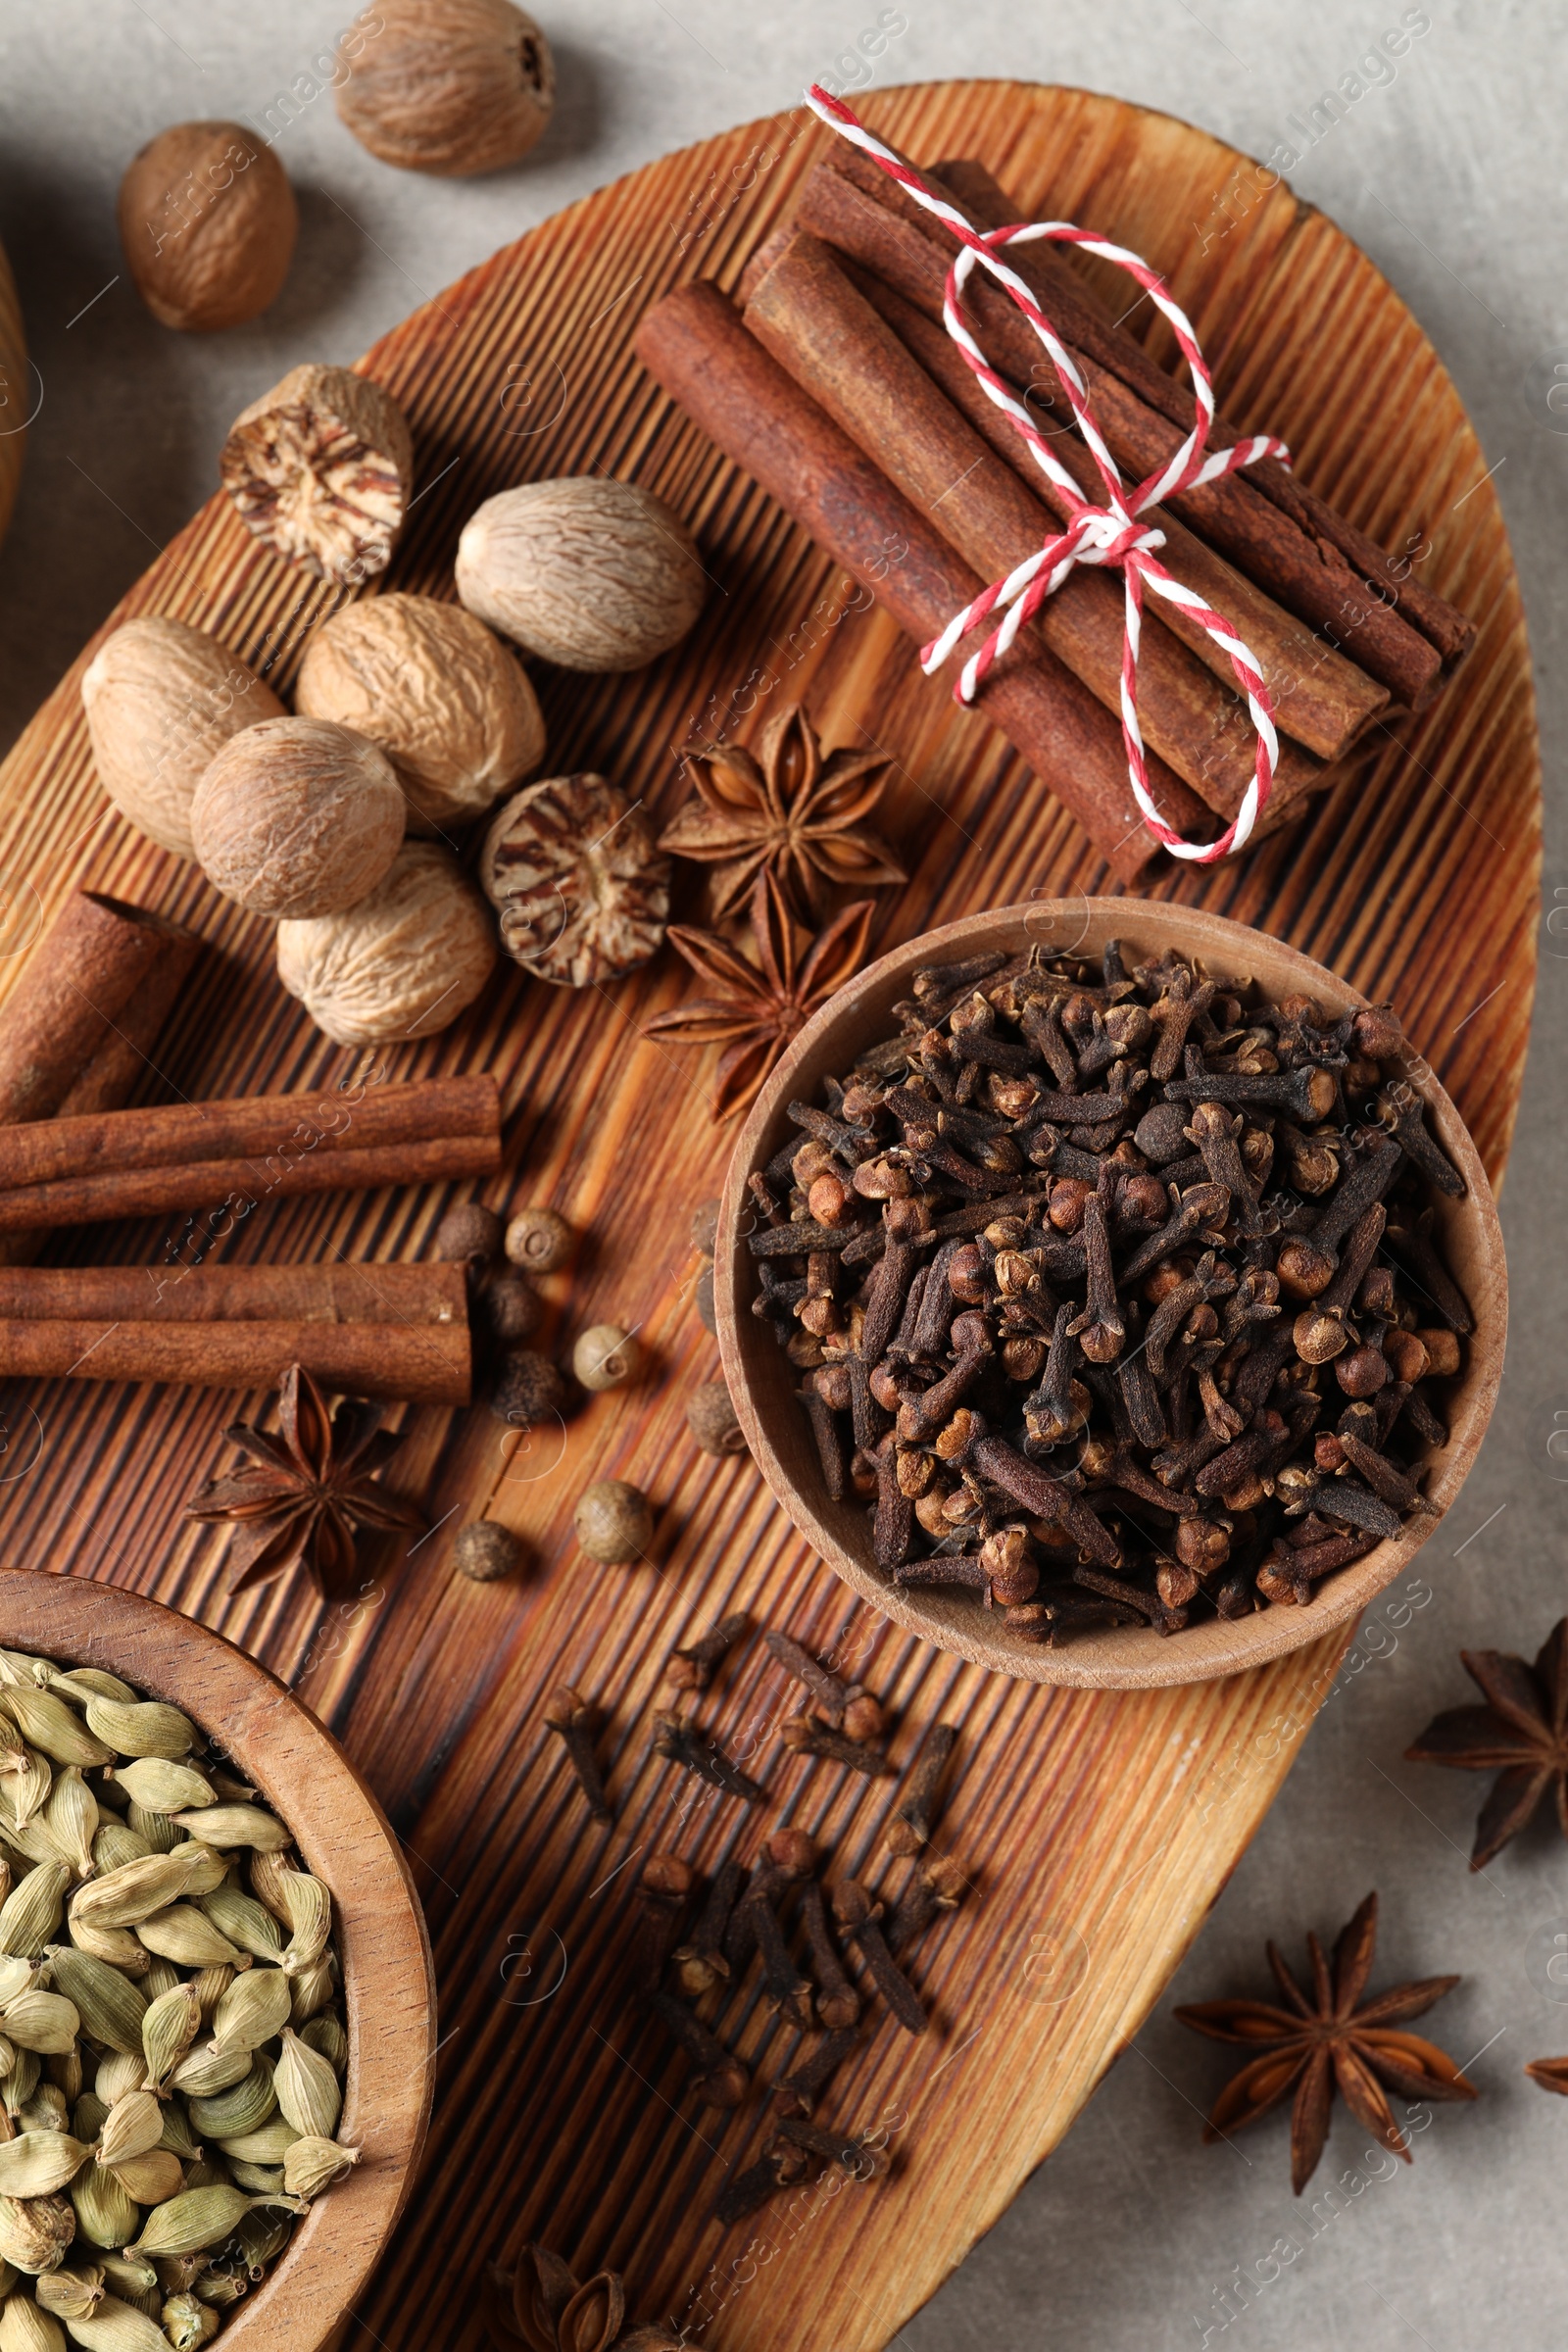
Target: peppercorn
x,y
711,1418
606,1357
527,1387
485,1550
468,1235
509,1309
539,1240
614,1523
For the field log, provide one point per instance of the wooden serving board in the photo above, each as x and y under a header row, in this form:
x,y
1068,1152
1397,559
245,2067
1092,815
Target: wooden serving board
x,y
1096,1828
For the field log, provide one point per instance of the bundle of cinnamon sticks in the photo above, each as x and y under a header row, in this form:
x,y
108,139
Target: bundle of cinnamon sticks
x,y
836,385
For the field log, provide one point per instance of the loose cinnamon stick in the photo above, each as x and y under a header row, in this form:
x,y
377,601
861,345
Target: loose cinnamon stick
x,y
341,1293
271,1128
1321,699
92,993
1310,578
425,1363
231,1188
818,326
697,347
1452,632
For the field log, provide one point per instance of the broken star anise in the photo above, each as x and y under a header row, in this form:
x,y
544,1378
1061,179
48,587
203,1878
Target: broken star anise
x,y
311,1489
1312,2044
787,811
1520,1734
760,1006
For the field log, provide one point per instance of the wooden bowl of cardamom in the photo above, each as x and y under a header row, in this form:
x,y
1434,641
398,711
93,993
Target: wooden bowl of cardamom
x,y
1109,1293
293,2078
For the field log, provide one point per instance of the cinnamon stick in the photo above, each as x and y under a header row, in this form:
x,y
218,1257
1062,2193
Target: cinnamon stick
x,y
423,1363
1452,632
231,1188
818,326
341,1293
1305,575
697,347
273,1128
87,1006
1320,699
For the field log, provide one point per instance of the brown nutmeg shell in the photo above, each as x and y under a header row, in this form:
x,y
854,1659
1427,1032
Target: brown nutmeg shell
x,y
208,222
452,87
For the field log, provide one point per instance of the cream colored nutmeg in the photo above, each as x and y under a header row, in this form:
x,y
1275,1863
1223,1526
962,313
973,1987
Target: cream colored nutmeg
x,y
404,963
208,223
320,470
591,575
449,706
162,700
606,1357
297,817
448,86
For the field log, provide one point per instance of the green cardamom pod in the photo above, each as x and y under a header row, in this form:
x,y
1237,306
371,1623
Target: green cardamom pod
x,y
253,2009
45,1722
48,2110
135,2125
207,2071
178,2137
150,1883
230,2114
245,1922
267,1875
127,2275
157,1979
262,2236
309,1909
313,1987
109,2005
34,2233
70,2292
116,2327
71,1817
157,1829
141,1728
229,1826
153,2179
219,2288
189,1938
160,1786
22,2081
328,2034
23,2327
118,2076
307,2089
107,2214
198,2218
29,1779
118,1946
36,2163
115,1845
88,2116
168,2029
269,2146
262,2179
41,2021
313,2165
82,1683
31,1912
187,2323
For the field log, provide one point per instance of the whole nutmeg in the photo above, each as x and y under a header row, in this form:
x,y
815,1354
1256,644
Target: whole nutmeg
x,y
539,1240
580,884
296,817
614,1523
589,574
711,1418
485,1550
468,1235
320,469
448,87
526,1389
510,1309
404,963
162,700
208,223
448,704
605,1357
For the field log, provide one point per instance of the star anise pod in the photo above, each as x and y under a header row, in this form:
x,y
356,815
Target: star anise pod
x,y
312,1490
1551,2074
1312,2044
759,1006
786,812
1520,1734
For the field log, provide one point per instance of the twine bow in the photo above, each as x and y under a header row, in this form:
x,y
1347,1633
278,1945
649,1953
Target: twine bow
x,y
1110,534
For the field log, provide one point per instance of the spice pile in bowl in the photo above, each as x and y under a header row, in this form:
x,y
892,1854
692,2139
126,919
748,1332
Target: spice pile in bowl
x,y
1113,1291
172,2050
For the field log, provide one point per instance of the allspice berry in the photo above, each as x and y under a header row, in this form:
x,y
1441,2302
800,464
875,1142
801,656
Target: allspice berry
x,y
711,1418
539,1240
404,963
527,1389
509,1309
162,700
208,223
706,1310
296,817
614,1523
589,574
448,86
485,1550
449,705
605,1357
320,470
470,1234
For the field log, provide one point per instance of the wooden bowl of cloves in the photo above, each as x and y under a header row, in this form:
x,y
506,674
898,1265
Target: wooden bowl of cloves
x,y
1110,1294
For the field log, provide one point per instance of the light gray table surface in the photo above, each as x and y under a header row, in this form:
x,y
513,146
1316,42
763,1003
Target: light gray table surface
x,y
1451,177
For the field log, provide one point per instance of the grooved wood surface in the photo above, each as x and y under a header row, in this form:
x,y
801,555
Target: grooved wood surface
x,y
1096,1828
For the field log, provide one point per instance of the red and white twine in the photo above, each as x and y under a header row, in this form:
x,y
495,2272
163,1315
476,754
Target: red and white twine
x,y
1109,534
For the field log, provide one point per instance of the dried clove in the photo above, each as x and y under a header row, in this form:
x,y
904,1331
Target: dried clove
x,y
692,1668
861,1920
679,1741
830,1693
722,2080
576,1720
662,1893
788,1856
802,1736
837,2004
937,1885
799,2090
700,1964
908,1825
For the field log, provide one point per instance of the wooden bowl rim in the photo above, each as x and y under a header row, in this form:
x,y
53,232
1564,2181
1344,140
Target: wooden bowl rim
x,y
346,1839
1123,1657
